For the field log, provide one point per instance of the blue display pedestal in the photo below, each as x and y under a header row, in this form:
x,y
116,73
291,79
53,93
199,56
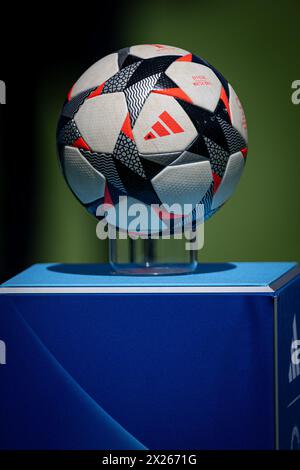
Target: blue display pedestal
x,y
93,360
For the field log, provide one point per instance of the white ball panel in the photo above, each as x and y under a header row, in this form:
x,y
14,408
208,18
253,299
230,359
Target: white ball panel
x,y
146,51
154,106
188,157
96,74
100,119
87,183
198,81
238,118
183,184
229,182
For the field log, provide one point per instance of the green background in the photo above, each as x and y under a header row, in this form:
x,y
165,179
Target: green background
x,y
256,47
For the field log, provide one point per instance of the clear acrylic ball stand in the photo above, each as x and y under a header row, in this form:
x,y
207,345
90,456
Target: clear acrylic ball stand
x,y
151,256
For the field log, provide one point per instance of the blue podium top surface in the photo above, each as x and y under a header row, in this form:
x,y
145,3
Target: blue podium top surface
x,y
209,277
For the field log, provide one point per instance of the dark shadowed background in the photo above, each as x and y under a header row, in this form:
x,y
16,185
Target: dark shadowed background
x,y
256,47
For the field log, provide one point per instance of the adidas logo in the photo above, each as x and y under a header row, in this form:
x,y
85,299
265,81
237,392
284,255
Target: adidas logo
x,y
166,125
294,370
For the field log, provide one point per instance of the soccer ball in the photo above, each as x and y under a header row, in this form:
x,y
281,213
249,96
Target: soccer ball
x,y
154,123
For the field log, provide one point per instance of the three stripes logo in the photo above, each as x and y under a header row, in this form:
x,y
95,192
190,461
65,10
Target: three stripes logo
x,y
294,370
165,125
